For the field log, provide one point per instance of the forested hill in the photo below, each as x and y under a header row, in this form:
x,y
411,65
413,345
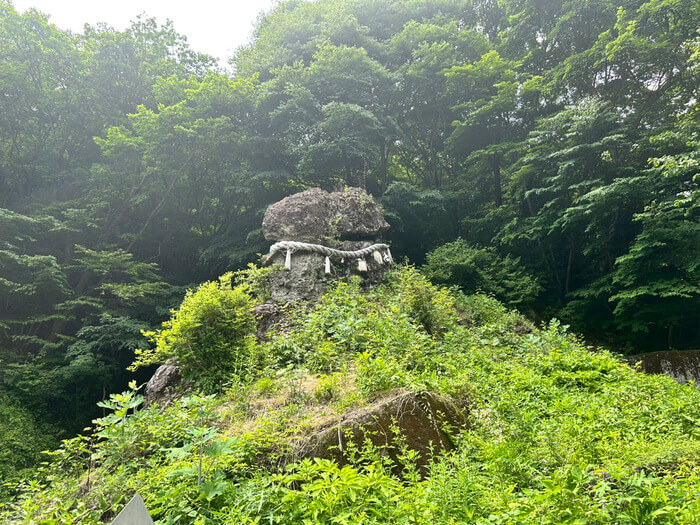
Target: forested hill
x,y
548,151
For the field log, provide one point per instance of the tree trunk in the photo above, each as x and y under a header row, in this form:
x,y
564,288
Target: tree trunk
x,y
568,267
495,162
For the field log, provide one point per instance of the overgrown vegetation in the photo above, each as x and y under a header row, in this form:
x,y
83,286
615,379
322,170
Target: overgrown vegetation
x,y
211,336
23,439
476,269
559,433
543,152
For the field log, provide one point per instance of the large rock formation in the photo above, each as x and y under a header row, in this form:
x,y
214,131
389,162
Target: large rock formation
x,y
345,220
421,422
316,216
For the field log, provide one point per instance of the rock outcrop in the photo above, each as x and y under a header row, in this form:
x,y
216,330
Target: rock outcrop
x,y
267,316
683,366
346,220
421,422
162,388
316,216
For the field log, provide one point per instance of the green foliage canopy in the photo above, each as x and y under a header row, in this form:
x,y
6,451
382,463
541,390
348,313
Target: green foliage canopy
x,y
476,269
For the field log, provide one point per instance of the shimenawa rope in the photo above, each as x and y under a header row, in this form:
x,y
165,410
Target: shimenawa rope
x,y
294,246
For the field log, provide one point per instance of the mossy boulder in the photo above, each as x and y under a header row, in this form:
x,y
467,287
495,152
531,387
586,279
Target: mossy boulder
x,y
423,422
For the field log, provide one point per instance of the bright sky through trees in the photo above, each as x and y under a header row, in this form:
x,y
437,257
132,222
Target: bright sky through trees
x,y
211,26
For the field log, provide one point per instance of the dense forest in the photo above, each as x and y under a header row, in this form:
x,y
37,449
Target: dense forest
x,y
546,153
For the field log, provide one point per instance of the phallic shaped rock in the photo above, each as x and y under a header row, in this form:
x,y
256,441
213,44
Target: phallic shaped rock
x,y
347,220
316,216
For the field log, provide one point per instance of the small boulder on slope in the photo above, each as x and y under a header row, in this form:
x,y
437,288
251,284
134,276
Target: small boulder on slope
x,y
422,422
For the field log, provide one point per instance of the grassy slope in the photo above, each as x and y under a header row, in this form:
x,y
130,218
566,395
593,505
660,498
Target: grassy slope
x,y
560,433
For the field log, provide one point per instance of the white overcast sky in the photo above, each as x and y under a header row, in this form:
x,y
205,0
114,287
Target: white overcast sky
x,y
213,27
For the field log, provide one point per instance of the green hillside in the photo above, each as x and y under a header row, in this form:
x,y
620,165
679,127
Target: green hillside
x,y
556,432
539,159
545,152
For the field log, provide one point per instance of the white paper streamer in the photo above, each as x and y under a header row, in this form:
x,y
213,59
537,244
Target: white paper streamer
x,y
288,260
361,265
328,266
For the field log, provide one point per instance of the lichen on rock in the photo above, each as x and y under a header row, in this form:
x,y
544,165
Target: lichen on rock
x,y
346,220
316,216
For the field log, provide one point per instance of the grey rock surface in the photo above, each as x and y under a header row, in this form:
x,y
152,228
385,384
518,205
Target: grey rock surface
x,y
267,316
162,387
356,215
317,216
346,220
306,280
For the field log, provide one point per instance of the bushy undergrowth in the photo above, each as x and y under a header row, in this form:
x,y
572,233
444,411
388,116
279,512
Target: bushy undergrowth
x,y
23,438
476,269
211,334
559,433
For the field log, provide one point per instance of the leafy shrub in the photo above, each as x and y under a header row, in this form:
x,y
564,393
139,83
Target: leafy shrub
x,y
328,387
329,493
21,440
485,314
379,374
210,335
332,330
428,305
476,269
346,323
256,281
336,317
176,457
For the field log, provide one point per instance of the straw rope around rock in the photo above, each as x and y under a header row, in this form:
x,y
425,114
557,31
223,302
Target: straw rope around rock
x,y
294,246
